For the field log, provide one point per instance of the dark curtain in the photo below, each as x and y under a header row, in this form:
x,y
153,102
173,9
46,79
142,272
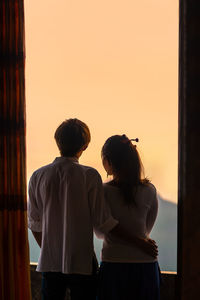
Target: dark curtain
x,y
14,252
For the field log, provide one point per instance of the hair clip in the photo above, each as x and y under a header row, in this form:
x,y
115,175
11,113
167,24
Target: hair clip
x,y
126,140
136,140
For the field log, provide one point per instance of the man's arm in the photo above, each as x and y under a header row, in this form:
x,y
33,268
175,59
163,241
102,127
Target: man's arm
x,y
38,237
34,210
147,245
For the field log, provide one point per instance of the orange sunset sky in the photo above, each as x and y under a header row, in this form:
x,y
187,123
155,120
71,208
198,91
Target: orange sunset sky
x,y
112,64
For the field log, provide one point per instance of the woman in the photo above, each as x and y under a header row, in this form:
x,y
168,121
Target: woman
x,y
127,272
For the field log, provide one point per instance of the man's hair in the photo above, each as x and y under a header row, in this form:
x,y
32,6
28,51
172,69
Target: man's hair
x,y
71,136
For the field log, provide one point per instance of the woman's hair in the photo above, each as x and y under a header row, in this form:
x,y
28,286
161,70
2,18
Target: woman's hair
x,y
126,164
71,136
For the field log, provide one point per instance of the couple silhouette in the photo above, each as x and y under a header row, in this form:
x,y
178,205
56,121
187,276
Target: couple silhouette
x,y
68,203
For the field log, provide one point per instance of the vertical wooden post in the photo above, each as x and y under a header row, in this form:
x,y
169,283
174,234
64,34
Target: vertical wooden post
x,y
189,152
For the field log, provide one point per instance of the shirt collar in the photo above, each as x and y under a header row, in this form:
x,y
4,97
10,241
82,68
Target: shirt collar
x,y
63,158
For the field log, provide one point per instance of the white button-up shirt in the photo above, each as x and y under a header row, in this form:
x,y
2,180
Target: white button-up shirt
x,y
66,204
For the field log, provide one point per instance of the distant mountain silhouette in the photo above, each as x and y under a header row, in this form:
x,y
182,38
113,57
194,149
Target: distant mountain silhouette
x,y
164,233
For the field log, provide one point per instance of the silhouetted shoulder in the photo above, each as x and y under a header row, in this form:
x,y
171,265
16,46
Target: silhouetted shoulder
x,y
149,194
92,176
150,187
42,170
149,190
90,171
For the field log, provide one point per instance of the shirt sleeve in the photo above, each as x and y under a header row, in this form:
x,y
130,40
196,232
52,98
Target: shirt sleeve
x,y
152,213
103,222
34,208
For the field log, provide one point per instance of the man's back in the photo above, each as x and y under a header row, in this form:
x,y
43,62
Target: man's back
x,y
65,203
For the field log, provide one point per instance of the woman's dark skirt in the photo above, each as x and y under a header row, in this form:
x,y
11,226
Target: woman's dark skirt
x,y
129,281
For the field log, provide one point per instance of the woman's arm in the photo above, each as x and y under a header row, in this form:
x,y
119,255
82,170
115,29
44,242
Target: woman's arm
x,y
152,213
